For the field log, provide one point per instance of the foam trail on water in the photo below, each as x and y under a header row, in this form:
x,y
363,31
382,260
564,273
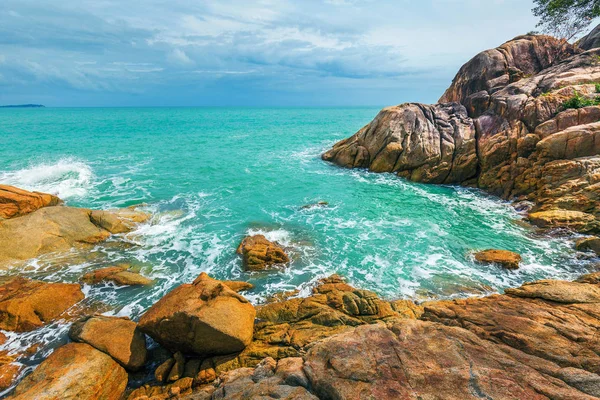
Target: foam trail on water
x,y
65,178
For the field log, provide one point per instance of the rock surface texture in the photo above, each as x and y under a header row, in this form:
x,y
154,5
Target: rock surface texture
x,y
502,126
75,371
258,253
204,318
15,202
27,304
506,259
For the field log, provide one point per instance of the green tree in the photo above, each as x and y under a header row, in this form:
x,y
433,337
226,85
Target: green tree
x,y
566,18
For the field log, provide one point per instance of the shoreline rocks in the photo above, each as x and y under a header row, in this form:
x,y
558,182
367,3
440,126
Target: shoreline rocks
x,y
215,318
15,202
121,275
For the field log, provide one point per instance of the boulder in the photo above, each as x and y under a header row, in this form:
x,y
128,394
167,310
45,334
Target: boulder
x,y
574,220
258,253
238,286
118,220
27,304
46,230
591,40
118,337
74,371
15,202
119,274
205,318
504,258
591,243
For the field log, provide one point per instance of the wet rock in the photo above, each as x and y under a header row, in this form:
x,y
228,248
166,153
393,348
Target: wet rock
x,y
506,259
238,286
15,202
205,318
258,253
119,220
27,304
591,243
314,205
119,274
49,229
74,371
575,220
9,372
118,337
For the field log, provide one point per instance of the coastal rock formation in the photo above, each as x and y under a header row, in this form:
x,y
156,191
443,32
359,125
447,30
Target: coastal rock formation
x,y
506,259
27,304
119,275
557,218
591,243
75,371
205,318
118,337
15,202
520,121
53,229
258,253
238,286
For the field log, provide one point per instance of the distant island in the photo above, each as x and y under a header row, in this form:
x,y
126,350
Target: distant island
x,y
23,106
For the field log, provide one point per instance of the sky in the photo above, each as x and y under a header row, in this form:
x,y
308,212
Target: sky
x,y
244,53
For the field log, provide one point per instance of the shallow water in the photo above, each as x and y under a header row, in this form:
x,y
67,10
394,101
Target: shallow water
x,y
212,176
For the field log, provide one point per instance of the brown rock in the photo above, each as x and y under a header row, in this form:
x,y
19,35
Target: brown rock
x,y
575,220
591,243
74,371
163,370
117,337
27,304
558,291
506,259
258,253
119,220
8,375
177,370
120,275
238,286
15,202
204,318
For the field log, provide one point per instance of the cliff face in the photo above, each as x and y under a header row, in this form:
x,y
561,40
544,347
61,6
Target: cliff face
x,y
504,125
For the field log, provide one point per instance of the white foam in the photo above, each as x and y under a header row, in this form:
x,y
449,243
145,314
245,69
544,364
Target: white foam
x,y
65,178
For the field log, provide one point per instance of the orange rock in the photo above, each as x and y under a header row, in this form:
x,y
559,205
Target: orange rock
x,y
204,318
238,286
504,258
15,202
119,274
74,371
258,253
27,304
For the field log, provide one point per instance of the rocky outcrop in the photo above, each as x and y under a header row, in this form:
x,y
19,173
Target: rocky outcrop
x,y
258,253
238,286
27,304
52,229
74,371
15,202
506,259
591,243
558,218
539,341
204,318
121,275
503,125
118,337
591,40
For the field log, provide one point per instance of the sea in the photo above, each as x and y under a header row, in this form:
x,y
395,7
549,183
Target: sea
x,y
211,176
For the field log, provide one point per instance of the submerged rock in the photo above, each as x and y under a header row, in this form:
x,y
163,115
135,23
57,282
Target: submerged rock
x,y
205,318
119,274
118,337
15,202
74,371
258,253
27,304
506,259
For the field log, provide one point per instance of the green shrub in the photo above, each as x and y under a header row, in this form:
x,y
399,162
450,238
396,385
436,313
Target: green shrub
x,y
597,87
578,101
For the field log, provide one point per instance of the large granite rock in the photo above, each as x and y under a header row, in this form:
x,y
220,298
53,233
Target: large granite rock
x,y
75,371
434,144
15,202
205,318
591,40
52,229
120,275
501,126
118,337
27,304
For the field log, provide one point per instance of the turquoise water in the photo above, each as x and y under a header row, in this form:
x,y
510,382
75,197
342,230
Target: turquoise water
x,y
212,176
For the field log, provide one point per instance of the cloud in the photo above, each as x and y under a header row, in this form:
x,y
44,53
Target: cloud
x,y
325,47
